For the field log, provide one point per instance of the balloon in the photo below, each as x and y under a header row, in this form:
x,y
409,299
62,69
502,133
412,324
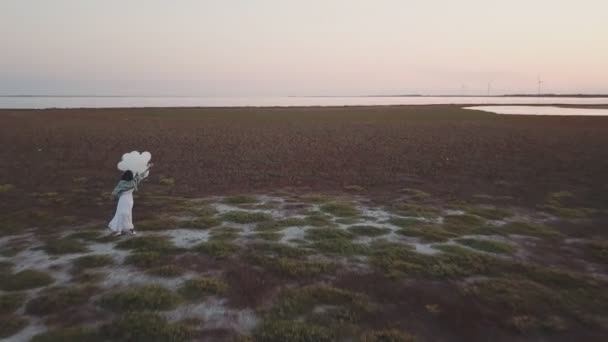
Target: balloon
x,y
135,161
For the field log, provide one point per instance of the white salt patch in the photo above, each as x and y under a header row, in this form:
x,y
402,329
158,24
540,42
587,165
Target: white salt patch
x,y
186,238
292,233
108,249
378,214
449,212
121,276
425,249
216,315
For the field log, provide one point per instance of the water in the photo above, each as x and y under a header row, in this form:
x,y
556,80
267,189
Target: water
x,y
41,102
541,110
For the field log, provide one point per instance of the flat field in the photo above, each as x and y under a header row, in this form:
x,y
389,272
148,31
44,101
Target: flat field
x,y
426,223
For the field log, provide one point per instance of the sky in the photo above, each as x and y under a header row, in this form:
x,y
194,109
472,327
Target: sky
x,y
307,48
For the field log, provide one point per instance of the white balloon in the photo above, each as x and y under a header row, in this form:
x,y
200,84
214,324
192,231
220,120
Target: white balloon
x,y
135,161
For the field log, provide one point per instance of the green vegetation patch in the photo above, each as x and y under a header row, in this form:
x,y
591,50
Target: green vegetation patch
x,y
93,261
414,210
147,297
167,271
24,280
146,259
68,335
200,288
281,224
87,235
65,246
317,234
521,228
599,251
391,335
224,234
269,236
293,331
6,187
491,213
366,230
157,224
219,249
240,199
57,299
11,324
427,232
203,222
246,216
147,243
291,267
145,326
488,246
10,302
343,247
340,209
316,219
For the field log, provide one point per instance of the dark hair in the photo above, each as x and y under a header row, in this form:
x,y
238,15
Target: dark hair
x,y
127,176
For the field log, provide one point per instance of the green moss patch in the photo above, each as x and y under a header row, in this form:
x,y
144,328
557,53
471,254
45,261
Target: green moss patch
x,y
281,224
391,335
87,235
145,326
158,224
203,222
147,243
244,217
167,271
65,246
93,261
488,246
11,324
294,331
340,209
521,228
427,232
218,249
491,213
69,335
24,280
371,231
317,234
57,299
224,234
295,268
9,303
145,259
200,288
148,297
414,210
240,199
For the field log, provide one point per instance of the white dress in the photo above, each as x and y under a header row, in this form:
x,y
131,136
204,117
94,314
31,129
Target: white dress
x,y
123,219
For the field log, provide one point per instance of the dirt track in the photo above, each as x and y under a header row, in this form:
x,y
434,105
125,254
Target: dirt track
x,y
211,151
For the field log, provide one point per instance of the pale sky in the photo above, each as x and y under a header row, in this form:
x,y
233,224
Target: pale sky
x,y
313,47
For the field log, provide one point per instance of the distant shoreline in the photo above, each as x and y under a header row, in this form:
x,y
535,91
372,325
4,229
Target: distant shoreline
x,y
307,96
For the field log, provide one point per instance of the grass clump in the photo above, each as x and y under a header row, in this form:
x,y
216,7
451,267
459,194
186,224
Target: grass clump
x,y
488,246
599,251
89,235
218,249
317,234
10,325
296,302
6,187
167,271
281,224
340,247
224,234
294,268
491,213
24,280
68,335
278,250
392,335
366,230
415,194
293,331
157,224
57,299
240,199
145,326
204,222
463,221
147,297
198,289
93,261
340,209
319,220
404,222
145,259
269,236
147,243
9,303
246,217
65,246
414,210
521,228
427,232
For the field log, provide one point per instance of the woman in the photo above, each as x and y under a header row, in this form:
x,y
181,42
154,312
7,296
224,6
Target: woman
x,y
123,219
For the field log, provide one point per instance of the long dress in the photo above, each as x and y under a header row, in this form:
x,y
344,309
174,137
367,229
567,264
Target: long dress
x,y
123,219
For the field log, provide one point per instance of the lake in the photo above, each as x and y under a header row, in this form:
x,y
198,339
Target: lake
x,y
41,102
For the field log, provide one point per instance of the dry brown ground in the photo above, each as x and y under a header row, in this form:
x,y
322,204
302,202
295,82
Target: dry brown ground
x,y
440,148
